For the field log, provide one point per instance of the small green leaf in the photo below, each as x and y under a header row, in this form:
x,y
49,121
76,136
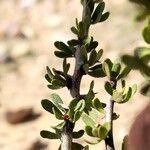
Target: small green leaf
x,y
82,29
89,97
53,87
91,5
115,70
88,40
59,83
59,126
104,130
50,74
57,113
92,58
65,67
96,71
48,78
92,46
77,23
49,135
57,101
62,54
145,90
86,68
98,13
74,30
77,116
108,88
104,16
63,47
73,103
73,42
146,34
123,83
80,105
47,105
78,134
99,54
86,147
72,106
128,95
56,98
107,66
60,79
84,54
97,105
76,146
88,130
134,89
95,132
123,73
96,141
87,120
91,85
117,96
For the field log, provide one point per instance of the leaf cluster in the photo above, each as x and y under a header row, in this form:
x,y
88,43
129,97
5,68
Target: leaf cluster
x,y
89,64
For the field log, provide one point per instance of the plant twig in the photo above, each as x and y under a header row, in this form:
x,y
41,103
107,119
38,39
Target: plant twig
x,y
109,141
66,136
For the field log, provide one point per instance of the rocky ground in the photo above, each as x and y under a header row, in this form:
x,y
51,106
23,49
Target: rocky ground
x,y
28,29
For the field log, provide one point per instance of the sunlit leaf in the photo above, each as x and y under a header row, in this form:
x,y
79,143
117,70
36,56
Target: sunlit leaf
x,y
88,121
103,131
88,130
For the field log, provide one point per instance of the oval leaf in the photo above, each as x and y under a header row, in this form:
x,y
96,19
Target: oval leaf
x,y
49,135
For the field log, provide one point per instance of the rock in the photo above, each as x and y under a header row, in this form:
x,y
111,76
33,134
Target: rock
x,y
21,115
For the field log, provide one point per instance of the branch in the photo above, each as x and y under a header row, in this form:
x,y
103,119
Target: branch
x,y
109,141
66,136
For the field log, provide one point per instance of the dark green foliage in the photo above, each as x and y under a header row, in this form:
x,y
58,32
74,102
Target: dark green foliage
x,y
98,15
64,50
146,34
145,90
49,135
108,88
78,134
76,146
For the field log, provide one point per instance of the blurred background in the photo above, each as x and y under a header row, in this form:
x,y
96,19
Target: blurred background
x,y
28,29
